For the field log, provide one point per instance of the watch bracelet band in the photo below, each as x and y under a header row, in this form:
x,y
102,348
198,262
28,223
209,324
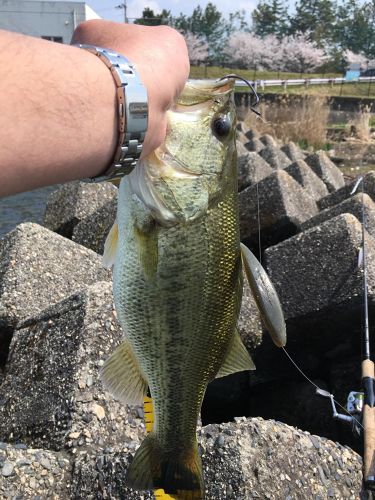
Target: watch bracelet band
x,y
132,113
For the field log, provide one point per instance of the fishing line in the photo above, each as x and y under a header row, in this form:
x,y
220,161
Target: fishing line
x,y
316,387
283,348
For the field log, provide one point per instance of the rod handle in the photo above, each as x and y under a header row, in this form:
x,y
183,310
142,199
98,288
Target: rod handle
x,y
369,426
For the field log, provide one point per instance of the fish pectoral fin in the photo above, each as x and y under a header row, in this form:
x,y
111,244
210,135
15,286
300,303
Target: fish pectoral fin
x,y
110,247
265,296
123,377
237,358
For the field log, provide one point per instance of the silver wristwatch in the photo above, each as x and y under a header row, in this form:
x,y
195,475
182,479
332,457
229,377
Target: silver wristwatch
x,y
132,113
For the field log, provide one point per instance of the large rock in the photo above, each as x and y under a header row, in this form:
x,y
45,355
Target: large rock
x,y
326,170
39,268
82,212
251,134
345,192
254,145
52,396
32,473
303,174
268,140
246,459
240,147
251,169
293,152
320,285
352,206
283,206
275,157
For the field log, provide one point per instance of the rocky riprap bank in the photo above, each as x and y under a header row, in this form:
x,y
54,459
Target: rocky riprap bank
x,y
62,436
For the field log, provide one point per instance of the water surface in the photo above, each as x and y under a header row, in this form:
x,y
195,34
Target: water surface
x,y
23,207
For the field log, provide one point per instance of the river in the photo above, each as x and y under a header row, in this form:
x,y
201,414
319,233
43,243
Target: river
x,y
23,207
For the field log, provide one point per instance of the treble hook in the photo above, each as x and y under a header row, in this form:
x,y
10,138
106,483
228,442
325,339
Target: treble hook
x,y
238,77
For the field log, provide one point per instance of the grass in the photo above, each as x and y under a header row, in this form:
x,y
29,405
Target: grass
x,y
302,120
354,89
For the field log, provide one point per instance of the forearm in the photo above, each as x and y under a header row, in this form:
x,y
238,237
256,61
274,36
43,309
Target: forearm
x,y
58,105
58,113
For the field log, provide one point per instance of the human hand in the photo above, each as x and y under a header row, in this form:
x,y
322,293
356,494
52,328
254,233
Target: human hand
x,y
160,56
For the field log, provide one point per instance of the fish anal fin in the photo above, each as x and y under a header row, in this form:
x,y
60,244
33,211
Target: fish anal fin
x,y
110,247
237,358
122,376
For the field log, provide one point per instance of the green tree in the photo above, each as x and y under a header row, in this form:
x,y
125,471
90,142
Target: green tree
x,y
149,18
208,24
317,18
270,17
355,28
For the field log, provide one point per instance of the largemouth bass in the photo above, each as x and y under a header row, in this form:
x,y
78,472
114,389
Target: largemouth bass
x,y
178,284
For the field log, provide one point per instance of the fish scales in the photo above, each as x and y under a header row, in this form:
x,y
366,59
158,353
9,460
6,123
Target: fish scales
x,y
189,311
178,284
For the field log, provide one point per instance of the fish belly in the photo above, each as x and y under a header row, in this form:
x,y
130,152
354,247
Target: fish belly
x,y
180,320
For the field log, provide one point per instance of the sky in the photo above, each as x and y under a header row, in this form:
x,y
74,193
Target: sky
x,y
107,10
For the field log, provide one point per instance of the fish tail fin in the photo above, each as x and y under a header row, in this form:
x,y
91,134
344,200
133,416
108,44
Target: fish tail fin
x,y
177,474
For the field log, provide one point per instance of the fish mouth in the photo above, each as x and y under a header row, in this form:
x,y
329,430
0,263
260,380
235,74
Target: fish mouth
x,y
198,91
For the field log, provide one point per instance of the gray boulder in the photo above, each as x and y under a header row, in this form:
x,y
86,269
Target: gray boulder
x,y
52,396
345,192
326,170
317,270
91,232
33,473
268,140
303,174
245,459
251,169
275,157
353,206
241,137
251,134
254,145
39,268
240,147
82,212
283,206
293,152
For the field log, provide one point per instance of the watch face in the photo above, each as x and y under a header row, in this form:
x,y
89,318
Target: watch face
x,y
139,109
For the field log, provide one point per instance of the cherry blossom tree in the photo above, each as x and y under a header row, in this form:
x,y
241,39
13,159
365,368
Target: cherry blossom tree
x,y
352,58
197,48
300,55
246,50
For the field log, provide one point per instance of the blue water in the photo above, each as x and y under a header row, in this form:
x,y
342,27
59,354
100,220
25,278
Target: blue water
x,y
23,207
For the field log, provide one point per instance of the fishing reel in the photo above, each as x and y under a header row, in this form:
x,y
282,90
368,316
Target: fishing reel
x,y
354,407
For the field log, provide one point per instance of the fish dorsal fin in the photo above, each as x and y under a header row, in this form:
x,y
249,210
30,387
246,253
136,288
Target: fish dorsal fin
x,y
123,377
110,247
265,296
237,359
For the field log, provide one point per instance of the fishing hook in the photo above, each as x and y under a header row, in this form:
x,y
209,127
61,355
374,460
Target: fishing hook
x,y
257,99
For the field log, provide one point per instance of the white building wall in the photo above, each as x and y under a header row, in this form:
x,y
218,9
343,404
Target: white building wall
x,y
55,20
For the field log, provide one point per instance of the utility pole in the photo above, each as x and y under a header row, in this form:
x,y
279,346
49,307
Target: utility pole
x,y
123,6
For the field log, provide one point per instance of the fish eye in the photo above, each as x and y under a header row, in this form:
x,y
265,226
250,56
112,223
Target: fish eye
x,y
221,126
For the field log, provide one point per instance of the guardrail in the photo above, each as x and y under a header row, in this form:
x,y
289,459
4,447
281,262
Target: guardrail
x,y
304,81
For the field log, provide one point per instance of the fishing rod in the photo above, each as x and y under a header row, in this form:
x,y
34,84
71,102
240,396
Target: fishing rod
x,y
360,410
361,405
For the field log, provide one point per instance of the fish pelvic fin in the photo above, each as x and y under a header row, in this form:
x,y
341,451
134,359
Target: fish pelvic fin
x,y
123,377
178,474
110,247
237,358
